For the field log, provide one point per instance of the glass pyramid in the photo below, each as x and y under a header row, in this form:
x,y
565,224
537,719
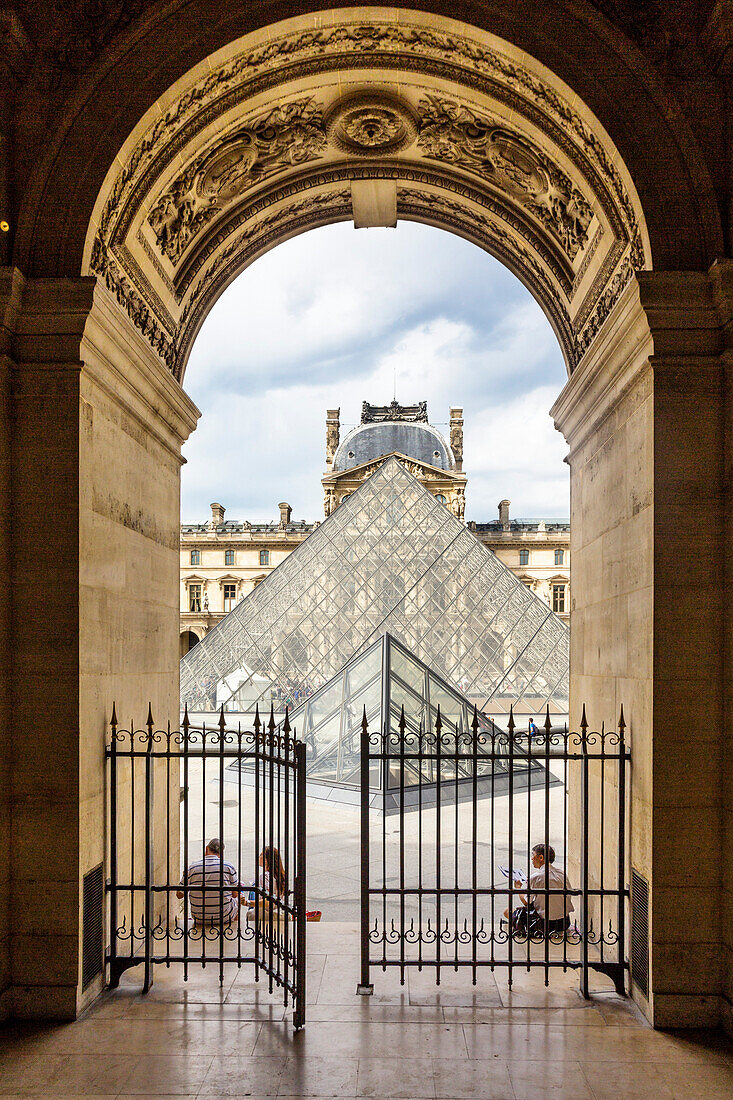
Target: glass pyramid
x,y
390,559
387,678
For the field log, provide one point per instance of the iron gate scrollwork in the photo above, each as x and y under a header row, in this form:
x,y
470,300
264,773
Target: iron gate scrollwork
x,y
486,797
160,787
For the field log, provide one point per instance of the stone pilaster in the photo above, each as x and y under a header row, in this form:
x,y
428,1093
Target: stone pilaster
x,y
97,427
643,415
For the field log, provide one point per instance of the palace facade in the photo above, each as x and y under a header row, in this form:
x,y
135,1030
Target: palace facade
x,y
222,560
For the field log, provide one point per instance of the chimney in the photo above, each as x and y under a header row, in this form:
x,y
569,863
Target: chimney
x,y
285,513
217,514
456,436
333,428
504,513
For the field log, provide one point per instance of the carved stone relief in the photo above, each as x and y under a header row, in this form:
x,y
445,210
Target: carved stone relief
x,y
464,60
288,135
454,132
371,124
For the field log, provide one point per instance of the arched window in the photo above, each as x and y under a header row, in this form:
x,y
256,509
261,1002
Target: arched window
x,y
264,557
195,557
524,557
229,557
440,497
559,557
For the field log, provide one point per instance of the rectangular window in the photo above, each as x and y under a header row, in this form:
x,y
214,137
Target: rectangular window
x,y
559,557
194,597
195,557
264,557
524,557
229,557
230,596
558,598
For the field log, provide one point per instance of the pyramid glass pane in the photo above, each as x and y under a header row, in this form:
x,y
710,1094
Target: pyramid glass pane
x,y
390,559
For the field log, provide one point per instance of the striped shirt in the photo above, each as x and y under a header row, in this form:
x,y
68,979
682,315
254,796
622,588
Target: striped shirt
x,y
206,903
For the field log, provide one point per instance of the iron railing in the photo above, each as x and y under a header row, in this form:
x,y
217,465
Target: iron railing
x,y
159,824
439,895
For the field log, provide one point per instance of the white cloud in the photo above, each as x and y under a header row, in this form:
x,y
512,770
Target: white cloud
x,y
324,321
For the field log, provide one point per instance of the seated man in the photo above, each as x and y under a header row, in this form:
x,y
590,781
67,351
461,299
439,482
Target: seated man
x,y
542,913
206,904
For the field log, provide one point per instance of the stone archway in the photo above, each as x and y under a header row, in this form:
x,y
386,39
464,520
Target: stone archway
x,y
195,139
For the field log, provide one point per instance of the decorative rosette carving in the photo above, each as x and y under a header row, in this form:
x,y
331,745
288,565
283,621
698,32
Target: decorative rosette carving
x,y
371,124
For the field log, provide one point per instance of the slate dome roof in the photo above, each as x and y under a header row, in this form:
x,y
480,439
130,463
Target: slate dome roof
x,y
370,441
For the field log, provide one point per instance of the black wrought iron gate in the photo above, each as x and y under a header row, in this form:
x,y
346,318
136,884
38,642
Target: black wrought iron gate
x,y
252,909
471,805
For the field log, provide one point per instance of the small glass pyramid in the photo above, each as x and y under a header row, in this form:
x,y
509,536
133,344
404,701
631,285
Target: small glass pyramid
x,y
391,559
388,679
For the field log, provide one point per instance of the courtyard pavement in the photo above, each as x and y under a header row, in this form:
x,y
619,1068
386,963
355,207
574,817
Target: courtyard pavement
x,y
201,1040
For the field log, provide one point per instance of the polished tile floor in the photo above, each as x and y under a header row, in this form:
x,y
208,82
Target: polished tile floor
x,y
411,1041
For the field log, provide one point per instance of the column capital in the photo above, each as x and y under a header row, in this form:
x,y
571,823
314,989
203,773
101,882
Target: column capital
x,y
660,315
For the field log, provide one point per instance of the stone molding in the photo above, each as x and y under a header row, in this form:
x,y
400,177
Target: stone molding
x,y
74,324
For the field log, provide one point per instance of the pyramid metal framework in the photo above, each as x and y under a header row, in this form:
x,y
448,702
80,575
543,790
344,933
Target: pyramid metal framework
x,y
389,680
390,559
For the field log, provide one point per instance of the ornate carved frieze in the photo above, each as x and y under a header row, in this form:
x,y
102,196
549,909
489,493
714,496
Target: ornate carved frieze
x,y
454,132
459,59
368,124
137,309
603,306
288,135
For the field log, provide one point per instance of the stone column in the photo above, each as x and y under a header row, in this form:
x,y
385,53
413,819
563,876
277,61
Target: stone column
x,y
644,417
98,424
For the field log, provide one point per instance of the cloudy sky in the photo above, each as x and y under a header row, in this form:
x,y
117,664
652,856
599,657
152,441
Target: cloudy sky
x,y
328,320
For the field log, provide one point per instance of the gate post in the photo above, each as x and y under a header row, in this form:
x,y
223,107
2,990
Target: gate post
x,y
300,827
621,882
149,855
114,975
584,797
364,988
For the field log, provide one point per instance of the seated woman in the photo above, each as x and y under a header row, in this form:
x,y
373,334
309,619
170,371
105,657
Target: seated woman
x,y
543,913
271,883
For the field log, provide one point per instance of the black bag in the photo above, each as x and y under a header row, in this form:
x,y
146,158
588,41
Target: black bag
x,y
526,921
